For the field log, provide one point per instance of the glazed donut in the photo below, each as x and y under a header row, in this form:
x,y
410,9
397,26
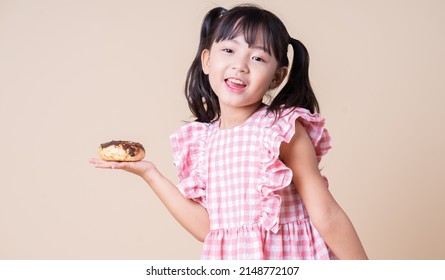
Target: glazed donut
x,y
121,151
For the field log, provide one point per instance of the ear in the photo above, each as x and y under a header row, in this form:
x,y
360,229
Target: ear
x,y
205,59
280,74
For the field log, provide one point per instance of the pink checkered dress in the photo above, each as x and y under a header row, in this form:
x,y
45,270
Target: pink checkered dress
x,y
255,211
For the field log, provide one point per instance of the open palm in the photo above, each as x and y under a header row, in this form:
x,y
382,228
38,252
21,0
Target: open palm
x,y
138,167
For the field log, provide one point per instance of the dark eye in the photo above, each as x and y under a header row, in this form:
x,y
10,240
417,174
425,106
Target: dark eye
x,y
257,58
227,50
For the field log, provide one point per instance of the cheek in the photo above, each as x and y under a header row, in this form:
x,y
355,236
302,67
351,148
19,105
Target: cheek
x,y
216,73
215,82
267,81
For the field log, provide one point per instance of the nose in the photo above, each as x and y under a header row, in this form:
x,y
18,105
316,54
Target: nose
x,y
240,65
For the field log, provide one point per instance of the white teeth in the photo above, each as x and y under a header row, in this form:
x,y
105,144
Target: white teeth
x,y
235,81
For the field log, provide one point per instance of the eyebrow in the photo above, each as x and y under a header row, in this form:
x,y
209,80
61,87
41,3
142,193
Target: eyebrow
x,y
251,46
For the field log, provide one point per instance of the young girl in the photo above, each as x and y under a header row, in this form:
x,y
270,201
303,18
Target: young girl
x,y
250,186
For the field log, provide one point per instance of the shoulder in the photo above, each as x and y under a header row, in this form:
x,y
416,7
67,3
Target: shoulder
x,y
299,145
284,124
192,134
307,127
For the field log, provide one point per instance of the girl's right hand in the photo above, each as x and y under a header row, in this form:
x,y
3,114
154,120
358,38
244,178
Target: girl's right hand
x,y
140,168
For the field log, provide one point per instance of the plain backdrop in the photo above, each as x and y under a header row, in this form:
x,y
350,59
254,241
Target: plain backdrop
x,y
74,74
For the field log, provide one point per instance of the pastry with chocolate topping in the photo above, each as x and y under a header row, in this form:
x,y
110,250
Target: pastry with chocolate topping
x,y
121,151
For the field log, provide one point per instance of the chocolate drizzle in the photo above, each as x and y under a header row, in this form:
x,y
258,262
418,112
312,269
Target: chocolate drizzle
x,y
132,148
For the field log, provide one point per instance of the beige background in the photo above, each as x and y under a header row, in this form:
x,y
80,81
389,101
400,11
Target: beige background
x,y
74,74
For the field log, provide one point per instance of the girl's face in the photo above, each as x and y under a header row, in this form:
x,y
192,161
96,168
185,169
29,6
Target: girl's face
x,y
239,74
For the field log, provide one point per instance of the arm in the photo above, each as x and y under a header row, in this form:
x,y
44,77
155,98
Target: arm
x,y
191,215
327,216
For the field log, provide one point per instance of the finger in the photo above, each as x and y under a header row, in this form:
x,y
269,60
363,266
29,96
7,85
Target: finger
x,y
102,164
98,163
93,160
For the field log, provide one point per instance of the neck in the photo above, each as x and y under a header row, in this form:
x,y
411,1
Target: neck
x,y
233,117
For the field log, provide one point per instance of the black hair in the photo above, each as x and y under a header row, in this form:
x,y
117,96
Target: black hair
x,y
221,24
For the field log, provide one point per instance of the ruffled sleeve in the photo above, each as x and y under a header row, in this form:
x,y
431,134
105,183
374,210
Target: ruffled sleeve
x,y
314,125
275,175
188,145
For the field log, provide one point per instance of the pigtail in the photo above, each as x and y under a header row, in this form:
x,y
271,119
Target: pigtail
x,y
202,101
297,92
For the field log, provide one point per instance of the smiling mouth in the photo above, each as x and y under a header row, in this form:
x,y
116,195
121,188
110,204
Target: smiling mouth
x,y
235,83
